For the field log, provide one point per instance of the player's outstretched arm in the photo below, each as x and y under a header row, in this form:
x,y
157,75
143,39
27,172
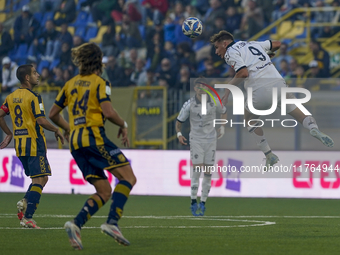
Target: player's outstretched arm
x,y
57,119
275,45
113,117
42,121
181,138
5,128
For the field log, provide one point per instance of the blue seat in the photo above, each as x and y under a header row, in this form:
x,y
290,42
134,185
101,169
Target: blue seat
x,y
38,16
47,16
81,19
42,64
91,33
23,2
80,31
21,52
54,63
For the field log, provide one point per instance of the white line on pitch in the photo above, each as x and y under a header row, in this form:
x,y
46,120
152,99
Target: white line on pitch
x,y
4,215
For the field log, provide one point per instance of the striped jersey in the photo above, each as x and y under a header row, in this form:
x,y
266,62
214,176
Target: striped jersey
x,y
83,96
25,107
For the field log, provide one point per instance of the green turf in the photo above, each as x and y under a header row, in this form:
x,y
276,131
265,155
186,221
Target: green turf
x,y
288,236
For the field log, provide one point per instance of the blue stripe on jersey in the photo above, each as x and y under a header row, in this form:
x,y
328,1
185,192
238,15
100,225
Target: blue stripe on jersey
x,y
91,137
41,147
102,133
28,146
79,139
60,103
19,147
71,139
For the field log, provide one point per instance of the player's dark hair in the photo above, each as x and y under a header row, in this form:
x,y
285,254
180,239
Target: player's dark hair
x,y
221,36
200,80
88,58
22,71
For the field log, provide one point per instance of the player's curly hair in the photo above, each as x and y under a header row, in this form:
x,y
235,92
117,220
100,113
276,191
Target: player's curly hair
x,y
221,36
88,58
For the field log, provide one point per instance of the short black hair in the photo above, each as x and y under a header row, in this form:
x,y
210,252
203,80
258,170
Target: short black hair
x,y
22,71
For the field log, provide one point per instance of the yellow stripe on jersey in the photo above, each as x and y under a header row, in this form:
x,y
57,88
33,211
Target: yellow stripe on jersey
x,y
83,96
24,107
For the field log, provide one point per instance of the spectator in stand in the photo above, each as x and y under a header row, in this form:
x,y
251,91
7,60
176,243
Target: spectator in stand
x,y
178,13
185,54
129,36
67,75
25,27
151,79
49,5
283,55
167,71
154,37
293,64
252,18
46,77
46,43
104,74
126,78
77,41
101,11
58,79
109,46
139,74
284,69
6,42
322,57
321,17
154,9
326,32
191,11
114,71
183,83
170,52
214,11
65,57
65,36
9,78
134,9
233,20
67,12
209,72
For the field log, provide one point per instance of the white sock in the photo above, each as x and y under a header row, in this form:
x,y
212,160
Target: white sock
x,y
206,185
309,122
262,143
195,182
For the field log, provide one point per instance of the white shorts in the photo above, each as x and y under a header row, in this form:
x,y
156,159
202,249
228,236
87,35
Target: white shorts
x,y
202,153
262,97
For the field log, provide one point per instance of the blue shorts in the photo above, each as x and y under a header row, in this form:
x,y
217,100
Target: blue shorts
x,y
36,166
93,160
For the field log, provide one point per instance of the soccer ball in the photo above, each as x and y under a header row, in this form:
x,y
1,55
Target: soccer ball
x,y
192,27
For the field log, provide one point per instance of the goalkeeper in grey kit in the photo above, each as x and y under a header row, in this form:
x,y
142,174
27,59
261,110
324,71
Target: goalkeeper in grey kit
x,y
203,138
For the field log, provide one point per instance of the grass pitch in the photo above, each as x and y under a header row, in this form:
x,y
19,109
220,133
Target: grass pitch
x,y
163,225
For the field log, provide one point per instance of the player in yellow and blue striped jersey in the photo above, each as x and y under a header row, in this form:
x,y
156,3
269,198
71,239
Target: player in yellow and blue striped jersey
x,y
87,96
26,109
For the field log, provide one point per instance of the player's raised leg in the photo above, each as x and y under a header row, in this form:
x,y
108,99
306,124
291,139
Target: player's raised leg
x,y
253,128
310,123
120,195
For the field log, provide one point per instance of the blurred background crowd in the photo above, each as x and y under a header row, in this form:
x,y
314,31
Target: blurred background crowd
x,y
142,40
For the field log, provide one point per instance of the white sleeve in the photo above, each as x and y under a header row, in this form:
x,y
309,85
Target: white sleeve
x,y
233,58
184,113
266,45
14,80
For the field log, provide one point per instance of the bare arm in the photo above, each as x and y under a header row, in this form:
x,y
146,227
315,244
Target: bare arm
x,y
57,119
47,125
180,137
275,45
113,116
238,78
5,128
